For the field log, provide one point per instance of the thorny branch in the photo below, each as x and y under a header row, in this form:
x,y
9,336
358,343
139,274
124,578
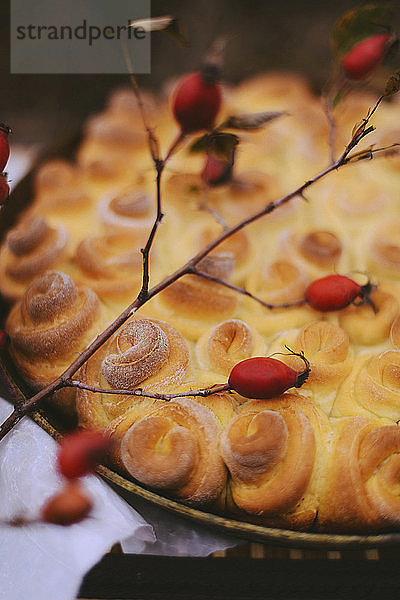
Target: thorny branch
x,y
215,389
144,296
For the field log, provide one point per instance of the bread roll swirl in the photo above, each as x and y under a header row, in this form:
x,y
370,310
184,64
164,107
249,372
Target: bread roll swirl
x,y
29,250
315,252
270,451
144,351
361,489
373,388
193,303
384,251
327,347
48,327
51,318
366,327
130,210
277,282
111,265
54,175
226,344
108,129
175,448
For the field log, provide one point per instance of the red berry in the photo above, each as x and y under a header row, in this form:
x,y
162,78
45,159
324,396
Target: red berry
x,y
365,56
196,103
4,188
333,292
216,172
81,452
4,146
262,377
69,506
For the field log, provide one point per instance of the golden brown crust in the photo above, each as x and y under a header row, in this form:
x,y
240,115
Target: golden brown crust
x,y
226,344
51,323
175,449
270,449
148,352
360,491
29,250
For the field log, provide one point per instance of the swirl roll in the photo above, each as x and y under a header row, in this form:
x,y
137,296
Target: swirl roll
x,y
373,389
231,341
272,450
366,327
361,488
195,304
129,210
175,448
111,266
316,252
144,352
384,251
238,246
277,282
53,176
29,250
52,322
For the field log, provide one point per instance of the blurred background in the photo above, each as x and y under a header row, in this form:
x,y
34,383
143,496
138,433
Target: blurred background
x,y
266,34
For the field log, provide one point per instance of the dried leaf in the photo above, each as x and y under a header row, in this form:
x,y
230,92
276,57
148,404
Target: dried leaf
x,y
358,128
152,24
169,24
175,29
393,84
358,24
370,152
220,143
200,144
252,121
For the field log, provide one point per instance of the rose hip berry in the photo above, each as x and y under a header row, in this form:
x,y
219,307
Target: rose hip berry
x,y
81,452
216,172
197,102
4,188
335,292
69,506
4,146
365,56
265,377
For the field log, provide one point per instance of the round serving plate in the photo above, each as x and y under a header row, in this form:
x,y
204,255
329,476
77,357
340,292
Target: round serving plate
x,y
19,200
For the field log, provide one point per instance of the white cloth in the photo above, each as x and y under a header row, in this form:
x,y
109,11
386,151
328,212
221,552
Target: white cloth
x,y
49,561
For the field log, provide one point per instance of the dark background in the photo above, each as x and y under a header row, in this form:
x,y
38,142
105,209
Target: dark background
x,y
266,34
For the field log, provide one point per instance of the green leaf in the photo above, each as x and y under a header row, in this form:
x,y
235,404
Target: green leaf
x,y
252,121
219,143
358,24
393,84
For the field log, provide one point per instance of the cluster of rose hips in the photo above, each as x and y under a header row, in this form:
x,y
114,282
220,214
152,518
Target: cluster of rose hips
x,y
4,156
79,454
196,104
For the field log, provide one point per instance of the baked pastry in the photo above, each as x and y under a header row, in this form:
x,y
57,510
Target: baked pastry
x,y
322,458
